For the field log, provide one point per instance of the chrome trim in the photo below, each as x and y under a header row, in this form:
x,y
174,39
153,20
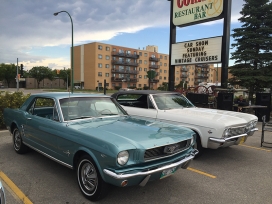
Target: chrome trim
x,y
48,156
146,173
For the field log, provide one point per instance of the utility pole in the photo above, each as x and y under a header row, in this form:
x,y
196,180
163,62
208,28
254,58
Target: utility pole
x,y
17,78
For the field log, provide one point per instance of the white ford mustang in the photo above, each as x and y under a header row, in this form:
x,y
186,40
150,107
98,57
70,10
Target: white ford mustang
x,y
214,128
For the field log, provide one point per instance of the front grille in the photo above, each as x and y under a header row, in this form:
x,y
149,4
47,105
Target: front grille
x,y
166,151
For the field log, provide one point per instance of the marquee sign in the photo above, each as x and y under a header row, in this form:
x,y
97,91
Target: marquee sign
x,y
190,12
203,51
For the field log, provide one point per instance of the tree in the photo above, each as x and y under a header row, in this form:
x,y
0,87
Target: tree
x,y
151,74
253,43
8,72
40,73
63,75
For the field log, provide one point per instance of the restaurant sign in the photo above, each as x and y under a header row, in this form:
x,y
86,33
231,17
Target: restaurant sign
x,y
203,51
190,12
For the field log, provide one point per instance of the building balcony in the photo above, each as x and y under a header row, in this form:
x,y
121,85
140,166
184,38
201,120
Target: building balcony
x,y
154,81
128,55
123,71
153,66
125,63
202,65
183,76
201,77
154,59
198,82
124,79
184,70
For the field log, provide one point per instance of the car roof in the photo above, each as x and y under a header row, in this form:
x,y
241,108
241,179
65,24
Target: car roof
x,y
59,95
144,92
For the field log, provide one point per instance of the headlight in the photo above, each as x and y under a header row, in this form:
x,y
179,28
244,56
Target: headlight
x,y
122,157
226,133
193,140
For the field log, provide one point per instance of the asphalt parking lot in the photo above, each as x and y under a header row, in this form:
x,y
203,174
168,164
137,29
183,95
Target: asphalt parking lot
x,y
238,174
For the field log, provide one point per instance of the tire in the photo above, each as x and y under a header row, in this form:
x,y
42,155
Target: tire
x,y
90,182
18,144
198,146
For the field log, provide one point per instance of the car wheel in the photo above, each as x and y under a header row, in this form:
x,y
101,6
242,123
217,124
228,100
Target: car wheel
x,y
18,144
198,146
89,179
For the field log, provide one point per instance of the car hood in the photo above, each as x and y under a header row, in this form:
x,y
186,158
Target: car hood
x,y
209,117
126,130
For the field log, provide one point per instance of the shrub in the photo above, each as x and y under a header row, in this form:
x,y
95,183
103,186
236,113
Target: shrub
x,y
10,100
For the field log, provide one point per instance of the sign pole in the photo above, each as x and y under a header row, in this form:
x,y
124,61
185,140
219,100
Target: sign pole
x,y
172,40
226,43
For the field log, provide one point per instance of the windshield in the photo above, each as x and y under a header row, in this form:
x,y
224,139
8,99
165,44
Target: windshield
x,y
89,107
171,101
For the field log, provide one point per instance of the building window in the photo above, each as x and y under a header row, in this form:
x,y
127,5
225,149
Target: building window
x,y
140,68
99,73
161,56
145,54
107,57
99,65
160,70
114,49
165,64
113,84
107,74
145,77
140,61
165,71
165,57
144,85
140,76
140,53
100,47
108,48
177,78
160,63
164,78
121,51
140,85
107,66
99,56
134,85
145,69
145,62
160,77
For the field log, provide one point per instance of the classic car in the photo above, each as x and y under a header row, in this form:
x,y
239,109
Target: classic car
x,y
2,194
214,128
92,134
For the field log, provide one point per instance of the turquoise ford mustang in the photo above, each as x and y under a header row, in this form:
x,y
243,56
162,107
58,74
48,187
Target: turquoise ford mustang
x,y
92,134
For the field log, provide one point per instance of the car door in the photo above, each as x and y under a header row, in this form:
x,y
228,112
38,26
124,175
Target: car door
x,y
43,126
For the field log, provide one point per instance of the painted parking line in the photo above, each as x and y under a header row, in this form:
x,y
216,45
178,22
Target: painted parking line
x,y
201,172
3,131
15,189
257,148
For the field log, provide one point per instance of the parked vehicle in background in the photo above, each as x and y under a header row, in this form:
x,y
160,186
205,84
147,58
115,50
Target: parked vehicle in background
x,y
92,134
2,194
214,128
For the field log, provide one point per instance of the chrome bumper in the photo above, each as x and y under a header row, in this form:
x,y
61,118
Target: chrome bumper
x,y
183,162
215,143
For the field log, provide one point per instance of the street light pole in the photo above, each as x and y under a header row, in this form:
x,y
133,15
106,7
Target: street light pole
x,y
72,53
66,79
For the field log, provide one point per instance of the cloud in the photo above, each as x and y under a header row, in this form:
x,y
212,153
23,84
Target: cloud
x,y
30,24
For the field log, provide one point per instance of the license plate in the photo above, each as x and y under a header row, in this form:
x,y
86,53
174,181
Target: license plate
x,y
242,140
168,172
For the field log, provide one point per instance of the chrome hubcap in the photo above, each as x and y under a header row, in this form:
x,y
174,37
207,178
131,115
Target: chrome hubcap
x,y
17,140
89,176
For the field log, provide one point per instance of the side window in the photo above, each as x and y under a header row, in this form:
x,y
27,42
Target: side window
x,y
45,108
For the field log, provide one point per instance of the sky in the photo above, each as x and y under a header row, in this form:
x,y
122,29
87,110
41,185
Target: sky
x,y
31,33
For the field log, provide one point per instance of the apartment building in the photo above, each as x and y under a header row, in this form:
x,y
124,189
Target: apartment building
x,y
119,66
123,67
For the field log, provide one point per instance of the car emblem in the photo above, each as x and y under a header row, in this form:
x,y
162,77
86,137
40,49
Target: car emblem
x,y
210,132
170,149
